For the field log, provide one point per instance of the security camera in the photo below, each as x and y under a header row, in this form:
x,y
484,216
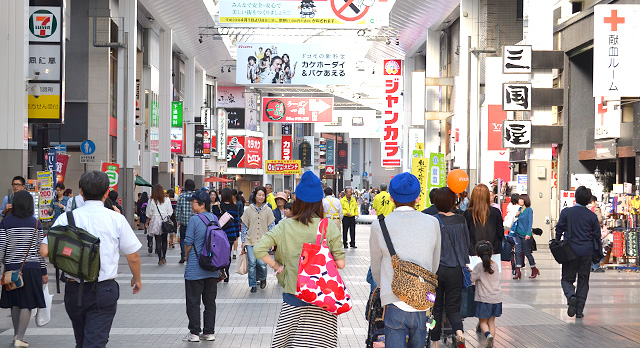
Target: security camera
x,y
35,90
37,73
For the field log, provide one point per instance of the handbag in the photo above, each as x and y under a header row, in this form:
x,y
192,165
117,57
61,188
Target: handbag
x,y
468,305
507,251
243,263
167,225
319,282
466,275
412,283
598,255
43,315
561,249
13,279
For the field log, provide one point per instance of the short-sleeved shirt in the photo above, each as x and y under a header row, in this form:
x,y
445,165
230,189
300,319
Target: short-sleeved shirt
x,y
194,237
112,228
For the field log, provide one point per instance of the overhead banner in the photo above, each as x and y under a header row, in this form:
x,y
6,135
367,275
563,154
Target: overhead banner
x,y
282,167
300,110
616,50
419,169
113,171
391,137
297,64
341,14
287,143
230,97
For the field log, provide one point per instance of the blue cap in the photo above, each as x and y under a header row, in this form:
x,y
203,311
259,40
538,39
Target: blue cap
x,y
404,188
201,196
310,188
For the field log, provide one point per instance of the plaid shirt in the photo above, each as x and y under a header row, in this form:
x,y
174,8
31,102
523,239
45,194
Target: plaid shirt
x,y
183,208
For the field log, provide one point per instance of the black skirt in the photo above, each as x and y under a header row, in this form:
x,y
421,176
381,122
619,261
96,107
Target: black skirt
x,y
29,296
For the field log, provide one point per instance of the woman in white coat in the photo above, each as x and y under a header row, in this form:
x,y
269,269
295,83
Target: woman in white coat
x,y
158,210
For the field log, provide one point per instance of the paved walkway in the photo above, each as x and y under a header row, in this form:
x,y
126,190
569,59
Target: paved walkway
x,y
534,310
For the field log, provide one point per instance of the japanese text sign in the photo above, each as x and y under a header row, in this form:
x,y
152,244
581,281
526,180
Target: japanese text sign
x,y
230,97
253,152
176,114
343,14
608,119
61,171
282,167
198,140
301,110
516,134
113,171
297,64
287,145
222,135
331,152
616,51
176,140
419,168
516,96
392,106
437,171
516,59
494,128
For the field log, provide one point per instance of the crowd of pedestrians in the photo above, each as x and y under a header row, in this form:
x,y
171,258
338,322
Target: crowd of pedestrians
x,y
457,236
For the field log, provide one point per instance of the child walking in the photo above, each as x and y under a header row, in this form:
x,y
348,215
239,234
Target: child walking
x,y
488,291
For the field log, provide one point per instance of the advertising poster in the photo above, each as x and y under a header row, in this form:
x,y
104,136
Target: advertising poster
x,y
45,185
294,64
235,118
437,171
305,13
343,156
176,140
253,152
300,110
283,167
230,97
235,152
61,171
113,171
198,140
419,168
51,159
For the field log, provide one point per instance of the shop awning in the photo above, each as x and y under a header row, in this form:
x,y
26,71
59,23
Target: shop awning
x,y
142,182
216,179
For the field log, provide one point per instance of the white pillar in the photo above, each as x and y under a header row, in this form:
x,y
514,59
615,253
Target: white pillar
x,y
13,95
432,128
165,98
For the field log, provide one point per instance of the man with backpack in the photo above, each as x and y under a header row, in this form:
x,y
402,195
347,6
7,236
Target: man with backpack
x,y
201,276
92,318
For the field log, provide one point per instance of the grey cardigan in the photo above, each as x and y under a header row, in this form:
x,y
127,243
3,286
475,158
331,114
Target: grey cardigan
x,y
415,237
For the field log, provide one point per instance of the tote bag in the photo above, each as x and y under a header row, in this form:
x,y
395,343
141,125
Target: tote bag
x,y
319,282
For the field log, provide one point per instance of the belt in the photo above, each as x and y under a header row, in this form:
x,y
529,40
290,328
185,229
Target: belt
x,y
102,281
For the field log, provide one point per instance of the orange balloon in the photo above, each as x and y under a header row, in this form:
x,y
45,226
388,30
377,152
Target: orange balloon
x,y
457,180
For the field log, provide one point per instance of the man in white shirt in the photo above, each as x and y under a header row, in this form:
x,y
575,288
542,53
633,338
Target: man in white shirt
x,y
92,319
74,203
332,207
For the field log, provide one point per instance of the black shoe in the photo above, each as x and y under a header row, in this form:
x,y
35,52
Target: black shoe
x,y
579,315
354,247
234,257
226,280
599,270
263,284
254,289
150,250
571,311
182,261
345,246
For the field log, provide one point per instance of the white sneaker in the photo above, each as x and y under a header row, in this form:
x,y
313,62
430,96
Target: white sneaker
x,y
191,338
208,337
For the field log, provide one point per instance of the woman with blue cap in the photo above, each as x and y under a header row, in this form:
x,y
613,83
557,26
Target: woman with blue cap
x,y
299,320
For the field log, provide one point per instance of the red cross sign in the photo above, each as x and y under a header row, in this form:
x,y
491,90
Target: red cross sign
x,y
614,20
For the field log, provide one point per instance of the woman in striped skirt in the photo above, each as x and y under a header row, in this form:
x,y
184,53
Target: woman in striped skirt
x,y
301,324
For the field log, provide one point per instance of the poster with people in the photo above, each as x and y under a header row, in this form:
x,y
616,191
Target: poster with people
x,y
291,64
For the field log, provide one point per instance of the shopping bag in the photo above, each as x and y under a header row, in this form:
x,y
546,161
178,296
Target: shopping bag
x,y
243,264
468,305
44,314
319,282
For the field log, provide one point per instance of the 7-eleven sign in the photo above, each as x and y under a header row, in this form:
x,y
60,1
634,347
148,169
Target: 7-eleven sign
x,y
44,24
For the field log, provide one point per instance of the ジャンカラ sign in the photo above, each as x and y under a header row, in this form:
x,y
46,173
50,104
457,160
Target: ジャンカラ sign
x,y
392,131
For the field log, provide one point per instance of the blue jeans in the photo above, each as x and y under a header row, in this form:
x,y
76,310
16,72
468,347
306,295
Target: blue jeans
x,y
371,281
522,244
92,319
255,266
398,324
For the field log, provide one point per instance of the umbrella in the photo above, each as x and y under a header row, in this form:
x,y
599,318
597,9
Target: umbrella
x,y
142,182
216,179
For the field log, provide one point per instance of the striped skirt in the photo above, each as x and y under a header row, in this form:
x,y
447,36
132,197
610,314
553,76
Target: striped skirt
x,y
304,327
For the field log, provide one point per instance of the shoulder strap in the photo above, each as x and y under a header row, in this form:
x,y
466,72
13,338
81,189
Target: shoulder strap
x,y
322,231
385,234
448,237
204,219
70,221
567,233
158,208
33,238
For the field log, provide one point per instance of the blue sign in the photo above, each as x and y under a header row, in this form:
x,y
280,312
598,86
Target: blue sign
x,y
61,148
331,152
51,158
365,174
88,147
321,146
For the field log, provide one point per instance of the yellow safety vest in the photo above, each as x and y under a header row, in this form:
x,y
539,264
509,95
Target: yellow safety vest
x,y
349,208
383,204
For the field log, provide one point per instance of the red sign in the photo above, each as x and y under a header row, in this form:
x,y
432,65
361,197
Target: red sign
x,y
330,170
301,110
235,152
392,67
253,152
113,126
391,140
494,130
63,160
113,171
340,12
286,147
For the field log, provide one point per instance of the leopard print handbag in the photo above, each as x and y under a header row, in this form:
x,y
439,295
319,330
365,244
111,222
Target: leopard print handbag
x,y
412,283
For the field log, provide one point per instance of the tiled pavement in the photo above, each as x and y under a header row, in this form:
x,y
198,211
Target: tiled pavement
x,y
534,310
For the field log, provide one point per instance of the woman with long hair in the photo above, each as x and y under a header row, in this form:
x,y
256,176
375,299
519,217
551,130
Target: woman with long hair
x,y
158,211
524,237
141,210
231,228
484,222
257,220
299,321
215,203
174,204
20,237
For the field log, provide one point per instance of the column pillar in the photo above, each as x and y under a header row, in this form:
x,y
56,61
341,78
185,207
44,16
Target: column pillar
x,y
188,115
165,96
432,134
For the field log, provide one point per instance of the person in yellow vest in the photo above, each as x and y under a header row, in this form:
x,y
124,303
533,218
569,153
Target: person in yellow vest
x,y
350,211
271,198
381,203
332,207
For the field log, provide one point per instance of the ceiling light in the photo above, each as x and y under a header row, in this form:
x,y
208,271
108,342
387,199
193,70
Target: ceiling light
x,y
397,41
373,71
388,42
200,39
229,70
221,69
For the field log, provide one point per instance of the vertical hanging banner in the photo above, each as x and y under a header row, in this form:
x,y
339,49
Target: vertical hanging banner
x,y
608,118
437,171
45,188
494,128
113,171
235,152
616,50
176,114
176,140
51,159
254,153
222,135
286,147
331,152
391,138
420,169
343,156
61,167
198,140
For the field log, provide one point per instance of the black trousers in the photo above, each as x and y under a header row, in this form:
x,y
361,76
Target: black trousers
x,y
226,269
92,320
349,224
448,300
161,245
183,234
581,267
204,290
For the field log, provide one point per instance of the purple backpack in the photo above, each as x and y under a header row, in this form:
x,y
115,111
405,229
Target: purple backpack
x,y
216,252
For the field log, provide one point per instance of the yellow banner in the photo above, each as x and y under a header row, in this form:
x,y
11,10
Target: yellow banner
x,y
420,168
283,167
44,107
